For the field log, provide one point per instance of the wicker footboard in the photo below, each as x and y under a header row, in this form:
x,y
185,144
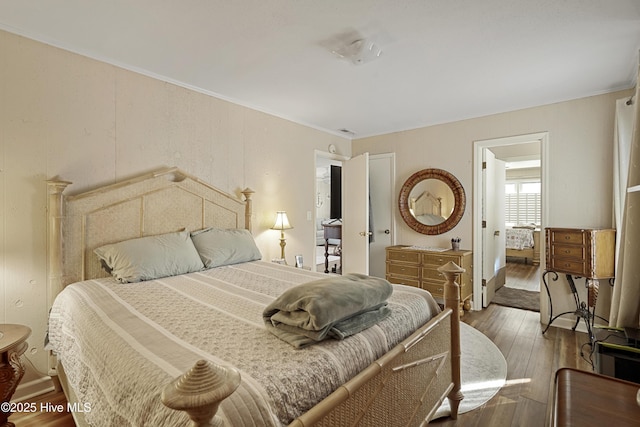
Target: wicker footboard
x,y
403,388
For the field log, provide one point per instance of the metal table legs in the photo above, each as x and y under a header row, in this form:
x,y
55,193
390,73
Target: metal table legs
x,y
583,310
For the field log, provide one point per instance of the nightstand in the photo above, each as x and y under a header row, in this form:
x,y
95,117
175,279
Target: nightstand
x,y
13,343
576,252
583,398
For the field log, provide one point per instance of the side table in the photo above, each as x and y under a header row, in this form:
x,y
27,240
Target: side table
x,y
13,343
584,398
579,252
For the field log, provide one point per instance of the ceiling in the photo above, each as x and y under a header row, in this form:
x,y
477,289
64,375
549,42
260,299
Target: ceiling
x,y
441,60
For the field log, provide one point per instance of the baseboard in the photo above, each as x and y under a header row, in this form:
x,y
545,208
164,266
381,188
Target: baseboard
x,y
37,387
567,323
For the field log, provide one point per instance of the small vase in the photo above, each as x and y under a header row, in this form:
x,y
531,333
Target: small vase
x,y
455,246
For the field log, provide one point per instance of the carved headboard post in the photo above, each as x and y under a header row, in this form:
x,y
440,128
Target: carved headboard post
x,y
248,208
55,215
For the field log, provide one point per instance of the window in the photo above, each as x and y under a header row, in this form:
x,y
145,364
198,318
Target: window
x,y
522,199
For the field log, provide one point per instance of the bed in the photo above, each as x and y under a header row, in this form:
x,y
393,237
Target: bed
x,y
523,242
117,348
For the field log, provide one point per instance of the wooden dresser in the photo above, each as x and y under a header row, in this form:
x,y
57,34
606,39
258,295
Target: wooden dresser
x,y
407,265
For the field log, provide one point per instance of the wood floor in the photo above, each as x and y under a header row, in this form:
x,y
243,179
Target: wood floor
x,y
532,359
523,275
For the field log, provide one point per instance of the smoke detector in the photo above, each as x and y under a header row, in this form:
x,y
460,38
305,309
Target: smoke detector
x,y
359,51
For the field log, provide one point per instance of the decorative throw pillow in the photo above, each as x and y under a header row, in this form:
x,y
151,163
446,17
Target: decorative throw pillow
x,y
151,257
219,247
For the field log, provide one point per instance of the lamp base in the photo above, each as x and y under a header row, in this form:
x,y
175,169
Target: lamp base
x,y
282,245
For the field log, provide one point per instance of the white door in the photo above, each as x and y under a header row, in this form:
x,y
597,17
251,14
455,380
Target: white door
x,y
381,185
493,234
355,215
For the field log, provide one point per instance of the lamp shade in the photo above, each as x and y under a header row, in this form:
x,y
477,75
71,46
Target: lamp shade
x,y
282,222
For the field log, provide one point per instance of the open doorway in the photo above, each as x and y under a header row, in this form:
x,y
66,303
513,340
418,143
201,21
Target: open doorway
x,y
379,227
328,211
523,221
522,204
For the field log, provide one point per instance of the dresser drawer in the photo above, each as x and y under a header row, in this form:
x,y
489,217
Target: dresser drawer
x,y
566,251
405,270
404,256
437,259
576,267
432,274
437,290
573,237
399,280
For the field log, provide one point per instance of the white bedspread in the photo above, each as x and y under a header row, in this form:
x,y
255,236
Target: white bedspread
x,y
121,344
519,238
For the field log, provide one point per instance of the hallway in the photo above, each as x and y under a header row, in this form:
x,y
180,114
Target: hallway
x,y
523,276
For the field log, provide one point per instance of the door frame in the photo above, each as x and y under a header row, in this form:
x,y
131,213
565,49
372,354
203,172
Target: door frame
x,y
478,147
314,216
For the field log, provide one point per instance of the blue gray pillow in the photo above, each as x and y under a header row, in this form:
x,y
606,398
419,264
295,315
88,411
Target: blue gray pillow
x,y
151,257
218,247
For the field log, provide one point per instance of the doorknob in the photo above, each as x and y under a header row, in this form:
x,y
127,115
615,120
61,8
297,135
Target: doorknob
x,y
366,233
387,231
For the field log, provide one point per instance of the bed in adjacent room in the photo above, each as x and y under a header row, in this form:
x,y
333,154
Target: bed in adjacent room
x,y
119,338
523,242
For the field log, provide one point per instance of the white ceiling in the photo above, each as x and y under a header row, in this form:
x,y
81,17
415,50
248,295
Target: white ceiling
x,y
442,60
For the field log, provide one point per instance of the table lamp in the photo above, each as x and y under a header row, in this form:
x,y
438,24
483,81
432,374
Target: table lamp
x,y
282,223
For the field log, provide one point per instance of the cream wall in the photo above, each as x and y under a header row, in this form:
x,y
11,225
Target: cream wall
x,y
92,123
580,164
68,116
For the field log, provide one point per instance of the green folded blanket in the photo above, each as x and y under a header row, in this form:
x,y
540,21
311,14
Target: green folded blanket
x,y
335,307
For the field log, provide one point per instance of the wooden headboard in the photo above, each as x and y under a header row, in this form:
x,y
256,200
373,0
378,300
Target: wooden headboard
x,y
159,202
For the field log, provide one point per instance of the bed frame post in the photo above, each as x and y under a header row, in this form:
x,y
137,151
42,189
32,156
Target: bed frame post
x,y
248,213
200,391
55,273
54,238
452,301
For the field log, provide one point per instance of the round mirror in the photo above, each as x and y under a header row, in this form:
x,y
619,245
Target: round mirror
x,y
432,201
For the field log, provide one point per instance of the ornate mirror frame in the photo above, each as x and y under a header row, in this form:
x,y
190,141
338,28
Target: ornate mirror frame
x,y
458,194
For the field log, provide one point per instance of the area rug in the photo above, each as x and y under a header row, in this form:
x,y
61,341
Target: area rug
x,y
483,371
517,298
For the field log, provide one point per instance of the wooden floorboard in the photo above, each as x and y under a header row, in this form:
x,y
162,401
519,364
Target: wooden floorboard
x,y
532,359
45,418
523,275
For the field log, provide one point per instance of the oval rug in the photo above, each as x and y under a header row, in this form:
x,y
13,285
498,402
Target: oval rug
x,y
483,371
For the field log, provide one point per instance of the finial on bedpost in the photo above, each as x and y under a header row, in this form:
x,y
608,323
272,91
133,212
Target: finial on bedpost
x,y
452,300
200,391
248,212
